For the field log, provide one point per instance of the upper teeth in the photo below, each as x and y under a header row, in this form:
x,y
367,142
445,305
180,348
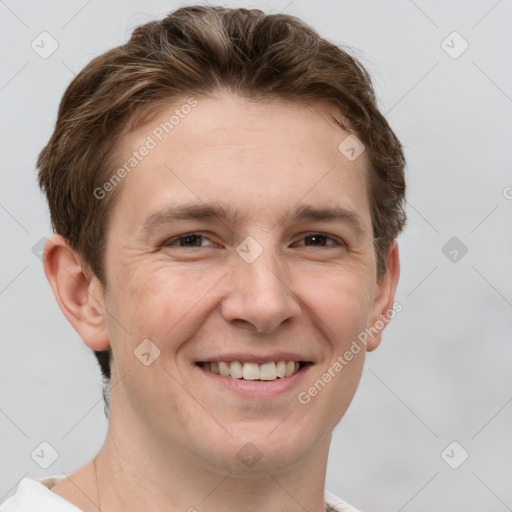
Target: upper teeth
x,y
252,371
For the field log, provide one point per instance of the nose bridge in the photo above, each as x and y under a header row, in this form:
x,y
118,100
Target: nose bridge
x,y
260,293
261,270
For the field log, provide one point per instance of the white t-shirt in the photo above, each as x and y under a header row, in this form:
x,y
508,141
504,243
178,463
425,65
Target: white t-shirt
x,y
36,496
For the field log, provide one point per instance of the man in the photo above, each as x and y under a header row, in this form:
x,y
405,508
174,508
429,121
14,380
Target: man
x,y
226,199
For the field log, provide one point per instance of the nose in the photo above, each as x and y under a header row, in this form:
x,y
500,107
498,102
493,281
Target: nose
x,y
260,296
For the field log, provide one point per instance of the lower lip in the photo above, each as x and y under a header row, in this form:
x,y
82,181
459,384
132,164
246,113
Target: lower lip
x,y
257,388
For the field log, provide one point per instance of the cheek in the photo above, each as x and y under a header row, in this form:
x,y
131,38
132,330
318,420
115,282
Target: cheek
x,y
343,312
342,303
140,300
161,303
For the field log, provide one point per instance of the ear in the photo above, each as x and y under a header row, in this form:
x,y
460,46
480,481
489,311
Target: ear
x,y
80,297
383,307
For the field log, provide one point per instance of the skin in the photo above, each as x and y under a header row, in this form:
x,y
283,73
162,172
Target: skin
x,y
173,437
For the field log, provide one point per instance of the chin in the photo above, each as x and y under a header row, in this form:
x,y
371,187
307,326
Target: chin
x,y
262,447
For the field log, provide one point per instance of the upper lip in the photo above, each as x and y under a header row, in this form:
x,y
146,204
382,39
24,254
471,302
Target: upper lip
x,y
248,357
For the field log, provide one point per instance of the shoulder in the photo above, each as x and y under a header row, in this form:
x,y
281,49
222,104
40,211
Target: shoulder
x,y
336,504
34,495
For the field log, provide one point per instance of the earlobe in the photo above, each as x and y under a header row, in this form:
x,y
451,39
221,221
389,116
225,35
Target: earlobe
x,y
383,306
79,296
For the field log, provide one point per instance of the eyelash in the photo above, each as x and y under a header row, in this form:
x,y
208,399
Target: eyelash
x,y
170,241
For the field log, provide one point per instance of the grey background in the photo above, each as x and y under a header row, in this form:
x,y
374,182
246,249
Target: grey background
x,y
442,373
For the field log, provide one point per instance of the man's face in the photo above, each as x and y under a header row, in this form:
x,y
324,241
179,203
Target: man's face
x,y
262,287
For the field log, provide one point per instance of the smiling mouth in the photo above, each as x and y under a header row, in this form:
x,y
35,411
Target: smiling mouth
x,y
253,371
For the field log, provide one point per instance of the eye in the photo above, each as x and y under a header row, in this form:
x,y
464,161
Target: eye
x,y
186,240
194,240
318,239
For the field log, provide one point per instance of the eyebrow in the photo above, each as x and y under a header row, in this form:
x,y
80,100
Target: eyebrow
x,y
225,214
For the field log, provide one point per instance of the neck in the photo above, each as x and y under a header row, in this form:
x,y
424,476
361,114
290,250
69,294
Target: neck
x,y
134,475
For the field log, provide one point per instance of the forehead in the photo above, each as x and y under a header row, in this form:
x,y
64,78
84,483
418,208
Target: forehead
x,y
255,155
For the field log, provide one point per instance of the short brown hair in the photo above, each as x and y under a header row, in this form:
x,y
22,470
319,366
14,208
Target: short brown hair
x,y
201,50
